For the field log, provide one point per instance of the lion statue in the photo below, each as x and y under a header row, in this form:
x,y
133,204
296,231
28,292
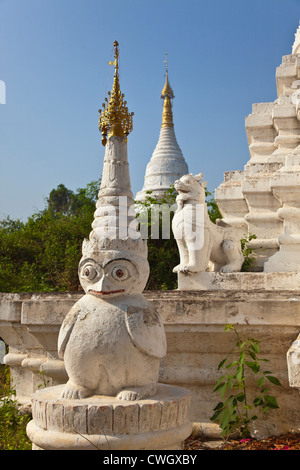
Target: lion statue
x,y
203,245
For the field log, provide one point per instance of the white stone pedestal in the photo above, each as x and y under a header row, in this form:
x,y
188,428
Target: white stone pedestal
x,y
106,423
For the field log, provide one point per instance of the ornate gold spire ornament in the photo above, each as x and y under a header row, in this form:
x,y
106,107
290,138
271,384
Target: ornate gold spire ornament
x,y
167,95
114,118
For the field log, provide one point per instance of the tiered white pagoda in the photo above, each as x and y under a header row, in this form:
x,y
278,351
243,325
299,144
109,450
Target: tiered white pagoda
x,y
167,163
264,198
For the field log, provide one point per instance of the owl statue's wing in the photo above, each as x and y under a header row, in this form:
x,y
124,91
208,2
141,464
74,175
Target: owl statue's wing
x,y
146,330
66,329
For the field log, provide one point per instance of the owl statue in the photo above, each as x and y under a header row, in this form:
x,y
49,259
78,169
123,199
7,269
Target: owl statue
x,y
112,339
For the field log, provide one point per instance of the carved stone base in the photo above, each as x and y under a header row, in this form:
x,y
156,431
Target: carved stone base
x,y
105,423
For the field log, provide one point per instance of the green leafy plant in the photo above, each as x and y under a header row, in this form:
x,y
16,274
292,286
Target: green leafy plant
x,y
12,422
212,207
45,382
234,413
247,252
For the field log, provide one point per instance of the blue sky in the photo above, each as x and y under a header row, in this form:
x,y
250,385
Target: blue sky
x,y
222,57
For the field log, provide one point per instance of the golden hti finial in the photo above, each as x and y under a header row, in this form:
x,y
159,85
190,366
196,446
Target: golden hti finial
x,y
114,118
167,95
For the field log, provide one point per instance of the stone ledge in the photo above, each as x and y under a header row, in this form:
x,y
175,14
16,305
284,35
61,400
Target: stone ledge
x,y
248,281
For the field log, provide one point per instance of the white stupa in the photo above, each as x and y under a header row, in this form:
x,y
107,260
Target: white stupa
x,y
167,163
296,45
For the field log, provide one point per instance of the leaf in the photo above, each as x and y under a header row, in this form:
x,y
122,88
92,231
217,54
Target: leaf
x,y
241,397
224,418
265,389
258,401
260,382
239,374
220,380
255,341
273,380
266,409
219,406
234,363
271,401
215,416
229,327
254,347
254,366
221,388
218,409
248,407
222,363
252,355
242,357
231,404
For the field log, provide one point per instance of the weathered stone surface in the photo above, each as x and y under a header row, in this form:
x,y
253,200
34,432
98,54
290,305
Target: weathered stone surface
x,y
267,281
150,415
100,419
108,423
266,191
194,324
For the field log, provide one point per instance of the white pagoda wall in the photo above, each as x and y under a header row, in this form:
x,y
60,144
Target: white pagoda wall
x,y
251,200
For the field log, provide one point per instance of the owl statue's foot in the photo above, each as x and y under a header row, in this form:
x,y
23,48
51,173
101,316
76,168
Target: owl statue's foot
x,y
72,391
137,393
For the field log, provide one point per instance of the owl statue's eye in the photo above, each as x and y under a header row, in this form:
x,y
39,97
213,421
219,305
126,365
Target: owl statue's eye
x,y
89,272
120,273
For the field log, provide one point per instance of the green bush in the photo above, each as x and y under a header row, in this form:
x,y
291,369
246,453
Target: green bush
x,y
42,254
12,423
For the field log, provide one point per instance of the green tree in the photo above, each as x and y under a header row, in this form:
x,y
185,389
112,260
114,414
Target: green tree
x,y
64,201
43,253
60,200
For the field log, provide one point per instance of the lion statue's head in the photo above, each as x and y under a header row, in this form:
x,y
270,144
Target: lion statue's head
x,y
190,188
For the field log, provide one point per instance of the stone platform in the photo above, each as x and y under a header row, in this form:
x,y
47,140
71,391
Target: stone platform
x,y
241,281
105,423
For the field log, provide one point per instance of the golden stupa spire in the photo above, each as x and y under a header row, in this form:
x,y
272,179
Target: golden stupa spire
x,y
167,95
114,118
